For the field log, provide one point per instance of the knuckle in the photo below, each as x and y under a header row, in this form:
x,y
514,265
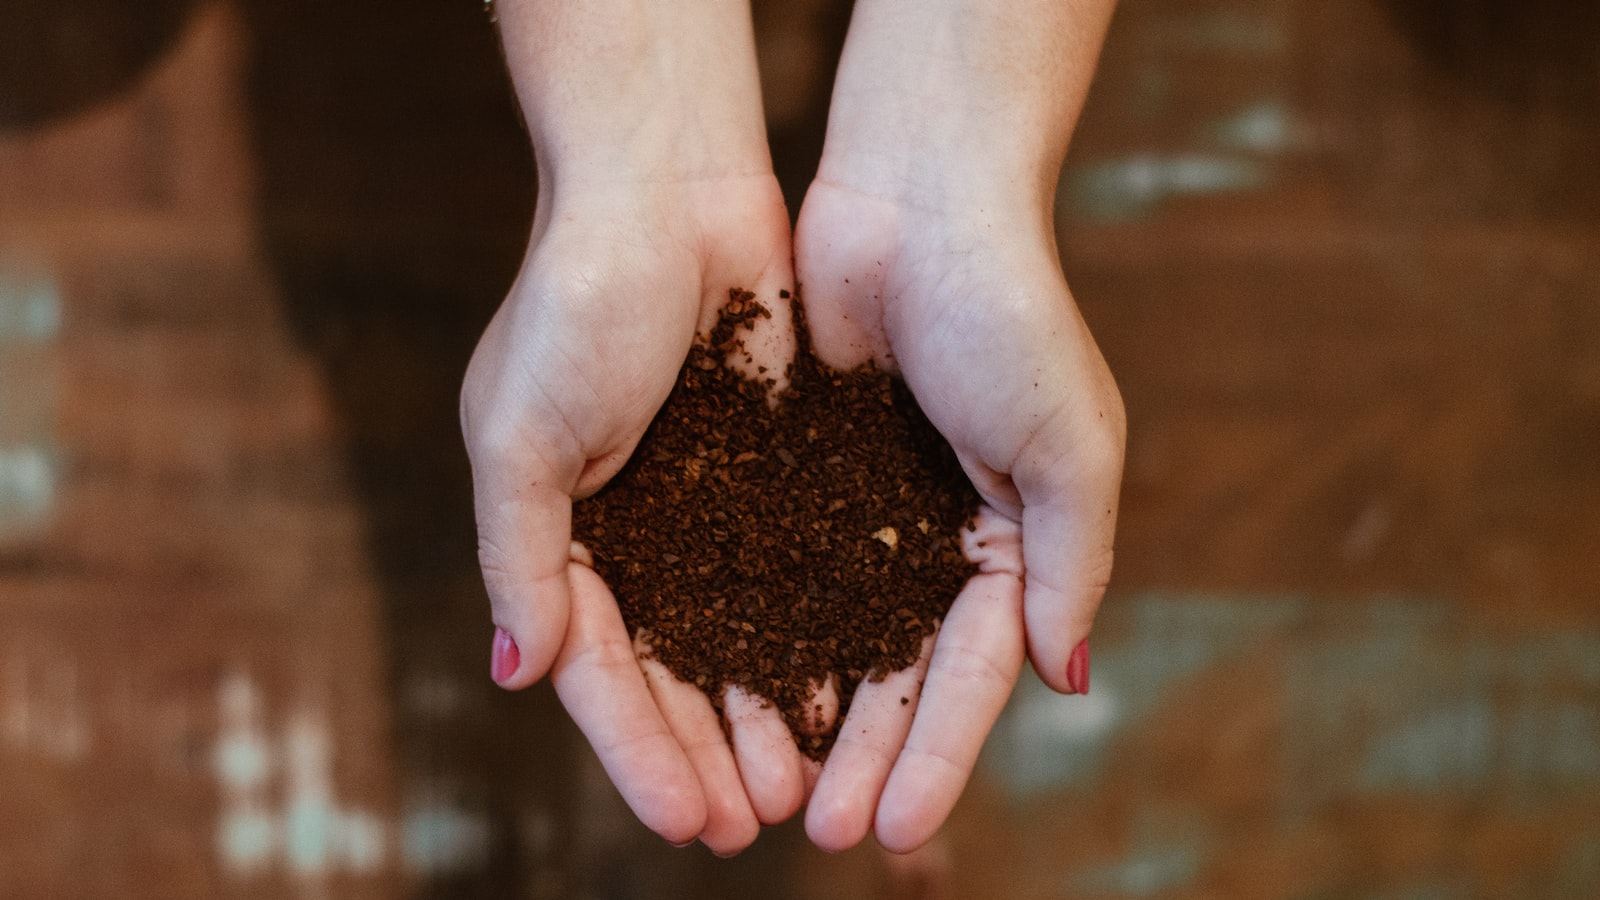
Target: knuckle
x,y
1096,579
492,559
1100,445
965,665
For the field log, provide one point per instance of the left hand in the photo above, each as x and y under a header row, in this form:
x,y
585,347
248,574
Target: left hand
x,y
973,311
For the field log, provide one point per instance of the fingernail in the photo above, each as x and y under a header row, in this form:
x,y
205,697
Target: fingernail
x,y
506,658
1078,668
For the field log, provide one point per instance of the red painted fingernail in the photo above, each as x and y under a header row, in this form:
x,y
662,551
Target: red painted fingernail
x,y
506,657
1078,668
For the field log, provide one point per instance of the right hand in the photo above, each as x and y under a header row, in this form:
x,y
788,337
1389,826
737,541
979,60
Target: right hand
x,y
562,385
656,197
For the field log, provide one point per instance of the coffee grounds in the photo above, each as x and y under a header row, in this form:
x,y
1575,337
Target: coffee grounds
x,y
771,548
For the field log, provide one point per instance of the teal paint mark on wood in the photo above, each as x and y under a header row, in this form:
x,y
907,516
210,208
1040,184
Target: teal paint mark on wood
x,y
27,487
1143,647
30,305
1392,696
1264,127
1146,873
1135,186
1407,698
30,320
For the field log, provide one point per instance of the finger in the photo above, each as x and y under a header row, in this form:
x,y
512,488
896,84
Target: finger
x,y
846,798
598,680
753,254
766,343
975,664
524,533
730,822
1069,521
768,760
842,276
824,708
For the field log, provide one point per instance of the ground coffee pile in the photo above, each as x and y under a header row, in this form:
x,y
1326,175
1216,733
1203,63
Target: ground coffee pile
x,y
770,548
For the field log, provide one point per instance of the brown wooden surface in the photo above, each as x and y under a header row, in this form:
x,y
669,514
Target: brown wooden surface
x,y
1341,256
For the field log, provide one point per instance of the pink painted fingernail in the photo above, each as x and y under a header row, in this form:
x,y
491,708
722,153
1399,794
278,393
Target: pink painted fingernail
x,y
506,658
1078,668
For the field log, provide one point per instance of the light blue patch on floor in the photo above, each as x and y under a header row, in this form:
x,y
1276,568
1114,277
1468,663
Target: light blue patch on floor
x,y
1142,646
1145,875
1135,186
1452,744
30,305
1262,127
30,319
1408,698
438,836
27,487
1396,695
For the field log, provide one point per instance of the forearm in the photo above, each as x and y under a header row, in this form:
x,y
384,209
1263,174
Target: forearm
x,y
637,90
952,101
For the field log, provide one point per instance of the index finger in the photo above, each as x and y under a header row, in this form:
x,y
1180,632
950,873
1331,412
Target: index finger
x,y
976,660
598,679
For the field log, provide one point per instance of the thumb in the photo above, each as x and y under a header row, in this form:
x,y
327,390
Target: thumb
x,y
524,544
1069,506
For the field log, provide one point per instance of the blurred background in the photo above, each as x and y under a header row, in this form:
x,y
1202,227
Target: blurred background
x,y
1343,256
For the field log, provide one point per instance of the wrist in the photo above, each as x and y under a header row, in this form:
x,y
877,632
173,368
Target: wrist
x,y
946,103
952,179
637,92
914,148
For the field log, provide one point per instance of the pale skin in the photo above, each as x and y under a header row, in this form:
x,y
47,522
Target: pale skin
x,y
925,243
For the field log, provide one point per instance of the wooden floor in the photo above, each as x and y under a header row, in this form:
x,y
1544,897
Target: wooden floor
x,y
1344,258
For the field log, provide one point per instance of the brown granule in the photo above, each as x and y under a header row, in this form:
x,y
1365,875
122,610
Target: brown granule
x,y
770,548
